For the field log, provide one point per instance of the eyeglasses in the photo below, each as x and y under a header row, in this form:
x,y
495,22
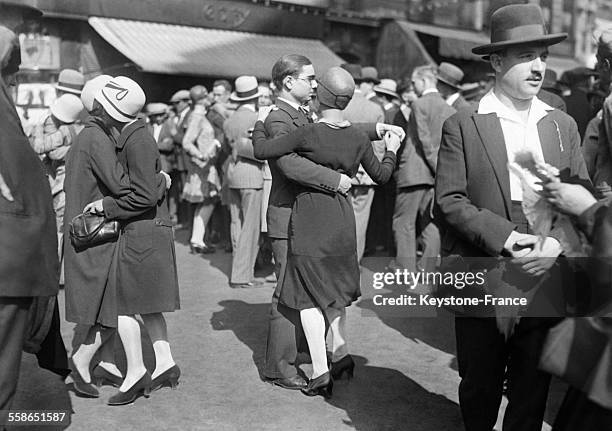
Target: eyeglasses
x,y
309,79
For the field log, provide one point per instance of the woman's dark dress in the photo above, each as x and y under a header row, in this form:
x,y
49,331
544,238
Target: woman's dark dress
x,y
322,267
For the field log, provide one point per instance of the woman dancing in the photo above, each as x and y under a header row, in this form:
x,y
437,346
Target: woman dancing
x,y
322,275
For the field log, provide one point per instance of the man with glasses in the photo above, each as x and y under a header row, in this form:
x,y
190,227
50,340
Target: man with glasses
x,y
295,80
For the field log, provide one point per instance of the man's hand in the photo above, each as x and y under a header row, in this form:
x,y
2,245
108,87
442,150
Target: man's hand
x,y
345,184
263,112
541,257
5,191
95,207
383,128
167,178
572,199
516,250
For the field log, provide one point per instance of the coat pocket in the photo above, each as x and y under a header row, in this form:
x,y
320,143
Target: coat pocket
x,y
139,242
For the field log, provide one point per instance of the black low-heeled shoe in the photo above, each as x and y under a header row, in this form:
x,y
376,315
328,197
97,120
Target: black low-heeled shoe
x,y
169,378
103,377
322,385
81,387
141,387
344,365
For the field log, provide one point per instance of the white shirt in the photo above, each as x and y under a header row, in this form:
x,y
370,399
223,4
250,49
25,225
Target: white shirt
x,y
518,136
156,131
452,98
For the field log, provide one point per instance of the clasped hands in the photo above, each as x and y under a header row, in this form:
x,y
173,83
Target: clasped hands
x,y
533,255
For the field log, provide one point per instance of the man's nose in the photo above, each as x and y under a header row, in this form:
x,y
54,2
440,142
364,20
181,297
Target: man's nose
x,y
538,65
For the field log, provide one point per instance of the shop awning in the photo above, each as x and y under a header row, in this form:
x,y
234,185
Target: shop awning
x,y
181,50
453,43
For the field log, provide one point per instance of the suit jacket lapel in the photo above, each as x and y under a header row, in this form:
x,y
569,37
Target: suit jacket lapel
x,y
550,136
298,118
492,138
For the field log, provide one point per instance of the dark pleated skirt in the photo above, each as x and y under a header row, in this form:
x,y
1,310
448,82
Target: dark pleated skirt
x,y
322,267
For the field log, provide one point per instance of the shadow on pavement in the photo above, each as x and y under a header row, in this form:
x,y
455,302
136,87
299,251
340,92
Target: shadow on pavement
x,y
249,322
436,331
39,389
384,399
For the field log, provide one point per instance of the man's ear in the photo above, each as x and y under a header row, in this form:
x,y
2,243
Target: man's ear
x,y
495,61
288,82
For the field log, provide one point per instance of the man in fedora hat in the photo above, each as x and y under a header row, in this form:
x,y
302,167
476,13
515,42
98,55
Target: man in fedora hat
x,y
69,81
449,85
182,108
479,203
244,178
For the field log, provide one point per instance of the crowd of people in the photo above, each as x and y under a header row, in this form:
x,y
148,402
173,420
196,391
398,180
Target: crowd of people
x,y
298,165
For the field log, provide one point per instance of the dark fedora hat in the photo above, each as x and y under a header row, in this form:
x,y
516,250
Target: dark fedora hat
x,y
518,24
450,74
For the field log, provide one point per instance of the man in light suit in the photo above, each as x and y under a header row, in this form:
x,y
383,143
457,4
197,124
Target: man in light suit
x,y
245,181
479,203
362,110
416,173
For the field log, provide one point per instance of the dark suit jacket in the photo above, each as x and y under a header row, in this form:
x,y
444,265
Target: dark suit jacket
x,y
419,153
28,239
472,181
292,168
166,147
553,100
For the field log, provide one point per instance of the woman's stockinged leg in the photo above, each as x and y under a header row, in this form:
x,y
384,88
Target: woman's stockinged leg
x,y
129,333
337,327
313,323
157,329
107,352
201,217
83,355
197,230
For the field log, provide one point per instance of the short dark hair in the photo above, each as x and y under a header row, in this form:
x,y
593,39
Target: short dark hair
x,y
225,83
288,65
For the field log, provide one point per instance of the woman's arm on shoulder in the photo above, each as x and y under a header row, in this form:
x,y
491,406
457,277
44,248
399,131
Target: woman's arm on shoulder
x,y
264,148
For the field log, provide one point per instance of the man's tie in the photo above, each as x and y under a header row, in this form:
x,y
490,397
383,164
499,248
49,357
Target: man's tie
x,y
306,113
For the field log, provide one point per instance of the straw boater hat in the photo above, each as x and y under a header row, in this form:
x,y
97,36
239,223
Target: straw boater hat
x,y
450,74
518,24
122,99
91,88
67,108
70,81
246,89
388,87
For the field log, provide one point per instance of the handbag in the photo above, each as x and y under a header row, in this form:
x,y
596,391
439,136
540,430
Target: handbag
x,y
87,230
579,351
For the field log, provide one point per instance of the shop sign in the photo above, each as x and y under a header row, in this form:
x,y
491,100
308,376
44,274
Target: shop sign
x,y
230,15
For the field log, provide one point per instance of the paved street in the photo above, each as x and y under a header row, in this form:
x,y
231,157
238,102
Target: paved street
x,y
406,375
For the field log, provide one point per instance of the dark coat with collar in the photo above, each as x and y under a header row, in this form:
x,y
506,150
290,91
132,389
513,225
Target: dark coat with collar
x,y
291,171
417,158
28,241
460,103
473,183
165,144
145,267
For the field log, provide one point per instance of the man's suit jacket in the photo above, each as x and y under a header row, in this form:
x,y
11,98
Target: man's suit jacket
x,y
418,155
291,169
244,171
473,184
165,145
360,111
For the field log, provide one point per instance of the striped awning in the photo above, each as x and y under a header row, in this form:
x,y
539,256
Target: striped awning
x,y
182,50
